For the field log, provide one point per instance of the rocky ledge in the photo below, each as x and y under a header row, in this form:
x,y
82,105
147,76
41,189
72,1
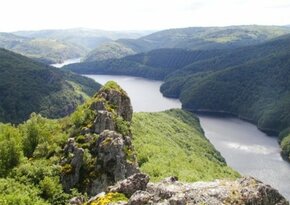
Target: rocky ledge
x,y
247,190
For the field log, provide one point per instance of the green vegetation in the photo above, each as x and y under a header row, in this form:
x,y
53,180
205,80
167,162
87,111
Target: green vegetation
x,y
27,86
172,143
285,143
109,198
33,180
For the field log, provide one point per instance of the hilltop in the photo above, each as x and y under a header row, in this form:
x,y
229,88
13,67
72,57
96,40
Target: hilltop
x,y
192,38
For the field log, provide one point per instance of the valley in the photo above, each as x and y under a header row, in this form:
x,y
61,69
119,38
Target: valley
x,y
245,148
64,137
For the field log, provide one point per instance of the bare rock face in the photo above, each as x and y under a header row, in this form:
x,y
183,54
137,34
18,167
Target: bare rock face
x,y
104,121
121,102
140,198
115,161
129,186
71,164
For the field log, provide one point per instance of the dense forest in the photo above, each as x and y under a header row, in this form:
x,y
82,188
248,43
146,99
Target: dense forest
x,y
27,86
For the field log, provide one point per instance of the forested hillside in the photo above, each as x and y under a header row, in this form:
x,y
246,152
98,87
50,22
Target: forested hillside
x,y
27,86
155,64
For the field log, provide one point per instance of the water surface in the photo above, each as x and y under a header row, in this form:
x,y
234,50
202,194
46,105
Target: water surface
x,y
248,150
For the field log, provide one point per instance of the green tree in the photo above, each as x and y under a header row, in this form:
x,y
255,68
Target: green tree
x,y
10,149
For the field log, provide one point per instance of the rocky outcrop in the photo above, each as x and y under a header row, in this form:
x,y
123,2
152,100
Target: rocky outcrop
x,y
121,102
243,191
109,155
129,186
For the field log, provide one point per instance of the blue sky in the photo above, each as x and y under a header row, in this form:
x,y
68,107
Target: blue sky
x,y
139,14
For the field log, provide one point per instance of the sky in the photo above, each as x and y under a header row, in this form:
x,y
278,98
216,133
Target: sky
x,y
139,14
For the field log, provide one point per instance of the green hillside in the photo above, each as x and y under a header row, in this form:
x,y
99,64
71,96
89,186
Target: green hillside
x,y
27,86
117,67
43,50
194,38
155,64
108,51
184,153
32,152
252,82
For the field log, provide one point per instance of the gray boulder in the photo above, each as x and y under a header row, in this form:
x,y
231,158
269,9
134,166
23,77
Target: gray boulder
x,y
130,185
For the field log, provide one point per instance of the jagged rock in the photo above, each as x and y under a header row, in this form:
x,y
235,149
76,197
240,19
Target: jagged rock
x,y
98,105
121,102
104,121
130,185
242,191
71,164
115,160
140,198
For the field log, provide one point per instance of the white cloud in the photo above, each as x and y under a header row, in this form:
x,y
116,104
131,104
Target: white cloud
x,y
139,14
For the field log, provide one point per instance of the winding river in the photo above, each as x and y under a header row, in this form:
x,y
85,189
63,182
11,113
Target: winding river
x,y
245,148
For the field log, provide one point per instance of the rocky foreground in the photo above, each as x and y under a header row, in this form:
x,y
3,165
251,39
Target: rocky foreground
x,y
106,167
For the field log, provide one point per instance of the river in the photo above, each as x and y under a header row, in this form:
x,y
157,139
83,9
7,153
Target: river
x,y
245,148
66,62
